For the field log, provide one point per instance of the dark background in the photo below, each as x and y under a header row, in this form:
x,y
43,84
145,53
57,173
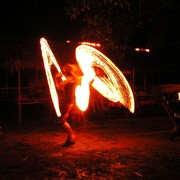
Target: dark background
x,y
36,18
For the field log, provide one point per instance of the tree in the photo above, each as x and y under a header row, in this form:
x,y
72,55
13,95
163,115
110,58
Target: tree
x,y
118,24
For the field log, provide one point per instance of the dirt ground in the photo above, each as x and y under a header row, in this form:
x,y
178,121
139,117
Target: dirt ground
x,y
110,148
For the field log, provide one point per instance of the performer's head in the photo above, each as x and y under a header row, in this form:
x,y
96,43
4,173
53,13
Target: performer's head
x,y
71,70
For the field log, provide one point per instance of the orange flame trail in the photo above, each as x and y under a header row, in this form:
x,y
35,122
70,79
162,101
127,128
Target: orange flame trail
x,y
113,85
82,94
49,59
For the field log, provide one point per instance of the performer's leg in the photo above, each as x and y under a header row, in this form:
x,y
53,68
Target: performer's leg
x,y
71,136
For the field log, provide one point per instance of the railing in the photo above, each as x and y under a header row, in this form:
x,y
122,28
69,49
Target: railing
x,y
24,96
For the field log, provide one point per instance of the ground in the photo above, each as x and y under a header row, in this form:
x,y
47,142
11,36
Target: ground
x,y
110,148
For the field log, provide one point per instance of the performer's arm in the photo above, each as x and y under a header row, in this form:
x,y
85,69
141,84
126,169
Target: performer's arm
x,y
58,81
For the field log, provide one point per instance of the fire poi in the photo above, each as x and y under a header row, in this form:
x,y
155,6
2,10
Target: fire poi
x,y
113,85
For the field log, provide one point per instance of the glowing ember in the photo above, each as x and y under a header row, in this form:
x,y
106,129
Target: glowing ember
x,y
49,59
113,85
143,49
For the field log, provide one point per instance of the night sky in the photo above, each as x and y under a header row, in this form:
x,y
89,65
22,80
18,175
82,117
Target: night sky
x,y
33,19
37,18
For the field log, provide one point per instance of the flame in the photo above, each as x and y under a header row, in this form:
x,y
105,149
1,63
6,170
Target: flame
x,y
82,94
49,59
113,85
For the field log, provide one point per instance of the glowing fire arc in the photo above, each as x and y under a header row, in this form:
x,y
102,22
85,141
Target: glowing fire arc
x,y
49,59
113,85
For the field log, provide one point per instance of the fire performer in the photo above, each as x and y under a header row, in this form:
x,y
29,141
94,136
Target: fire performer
x,y
68,105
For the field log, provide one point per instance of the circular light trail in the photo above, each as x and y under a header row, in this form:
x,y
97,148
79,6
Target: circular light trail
x,y
113,85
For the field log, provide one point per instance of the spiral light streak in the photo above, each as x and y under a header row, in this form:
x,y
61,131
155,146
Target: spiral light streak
x,y
113,85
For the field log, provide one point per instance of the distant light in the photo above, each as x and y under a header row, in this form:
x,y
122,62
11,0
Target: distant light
x,y
90,44
68,41
137,49
147,50
142,50
178,96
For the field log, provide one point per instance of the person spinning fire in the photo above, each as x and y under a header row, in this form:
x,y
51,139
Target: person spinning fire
x,y
68,106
